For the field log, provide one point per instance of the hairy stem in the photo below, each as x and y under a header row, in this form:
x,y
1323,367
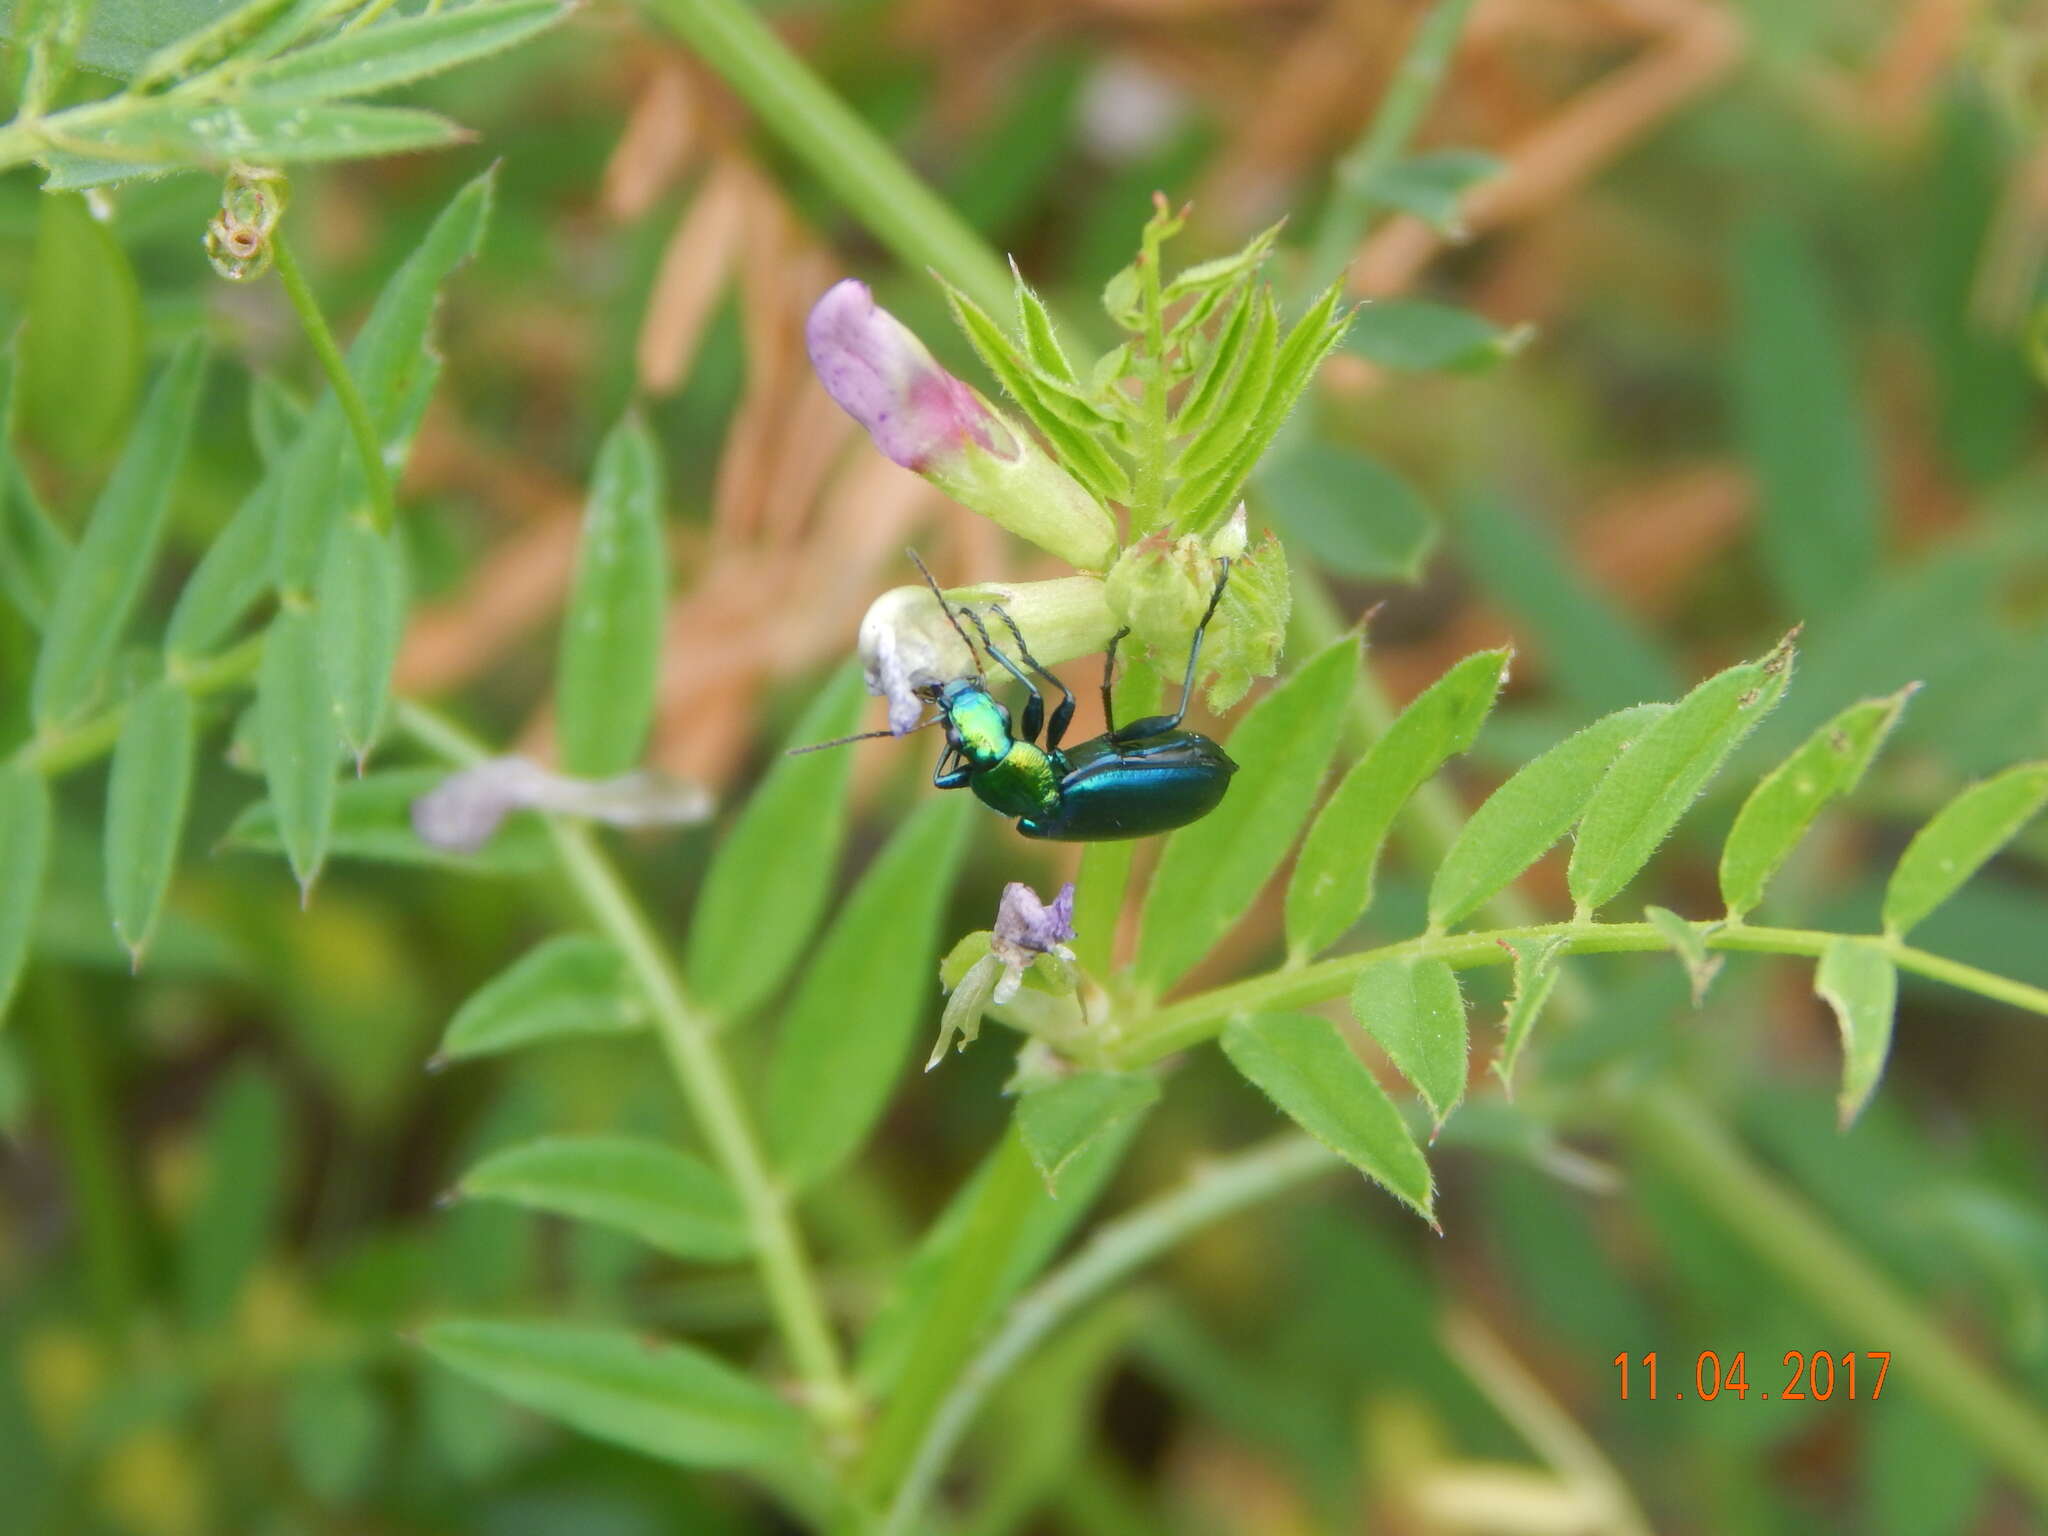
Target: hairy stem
x,y
1117,1249
688,1038
841,150
1671,1130
335,366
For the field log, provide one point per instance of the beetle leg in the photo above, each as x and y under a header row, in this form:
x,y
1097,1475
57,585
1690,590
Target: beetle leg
x,y
1161,723
1063,713
949,778
1034,710
1109,678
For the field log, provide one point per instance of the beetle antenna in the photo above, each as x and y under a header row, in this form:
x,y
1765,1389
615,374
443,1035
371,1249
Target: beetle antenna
x,y
946,608
841,741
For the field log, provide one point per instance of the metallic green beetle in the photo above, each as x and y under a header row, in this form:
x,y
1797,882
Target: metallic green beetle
x,y
1131,781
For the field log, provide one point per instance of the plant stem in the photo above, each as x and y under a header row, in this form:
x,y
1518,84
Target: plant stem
x,y
1349,211
841,150
1670,1129
383,505
74,746
957,1313
688,1038
1117,1249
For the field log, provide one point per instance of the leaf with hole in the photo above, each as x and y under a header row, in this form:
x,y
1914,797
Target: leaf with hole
x,y
1655,782
667,1199
1412,1007
1334,875
1829,764
570,985
1302,1064
1688,941
1210,872
1959,840
666,1400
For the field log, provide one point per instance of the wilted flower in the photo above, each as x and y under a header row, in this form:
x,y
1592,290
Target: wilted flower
x,y
464,810
927,420
1026,931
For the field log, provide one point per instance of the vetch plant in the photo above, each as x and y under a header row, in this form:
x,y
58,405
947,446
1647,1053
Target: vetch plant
x,y
1324,926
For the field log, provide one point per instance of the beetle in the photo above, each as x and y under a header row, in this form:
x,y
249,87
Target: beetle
x,y
1131,781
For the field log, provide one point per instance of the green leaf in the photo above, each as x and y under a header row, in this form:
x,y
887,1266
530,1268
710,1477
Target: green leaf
x,y
1333,877
1068,423
361,617
230,577
104,578
847,1032
772,873
1209,496
392,361
1432,185
1857,979
1688,941
1357,517
373,821
276,417
573,984
666,1400
398,51
1519,822
295,731
1413,1008
33,550
1538,964
1801,426
1595,654
1210,872
1417,336
1225,272
1041,343
1241,395
171,133
241,1193
205,46
1960,839
81,346
1059,1120
1302,1064
1234,340
1655,782
148,788
1830,763
335,1425
667,1199
24,855
611,633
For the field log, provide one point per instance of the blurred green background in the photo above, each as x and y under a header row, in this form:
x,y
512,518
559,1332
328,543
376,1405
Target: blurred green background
x,y
1778,264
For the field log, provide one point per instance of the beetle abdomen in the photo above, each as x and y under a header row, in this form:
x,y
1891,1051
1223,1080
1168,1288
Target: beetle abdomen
x,y
1134,789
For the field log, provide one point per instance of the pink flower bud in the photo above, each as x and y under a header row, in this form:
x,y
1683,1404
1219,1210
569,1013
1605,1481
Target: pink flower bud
x,y
884,378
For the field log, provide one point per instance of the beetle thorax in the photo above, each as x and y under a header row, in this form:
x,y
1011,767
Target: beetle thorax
x,y
976,724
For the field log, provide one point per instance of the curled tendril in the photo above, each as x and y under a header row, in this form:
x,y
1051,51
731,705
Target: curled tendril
x,y
238,236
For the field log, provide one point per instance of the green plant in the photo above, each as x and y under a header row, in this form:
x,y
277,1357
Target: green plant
x,y
299,599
